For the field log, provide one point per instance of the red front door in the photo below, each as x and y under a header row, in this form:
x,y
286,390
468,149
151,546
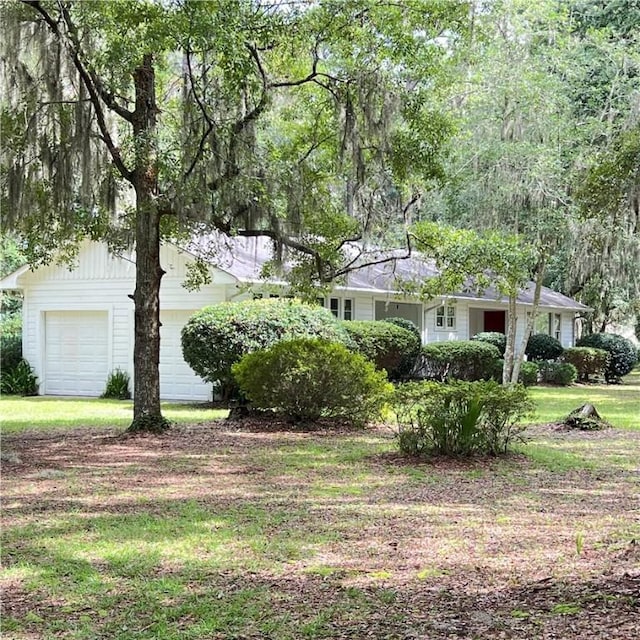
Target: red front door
x,y
495,321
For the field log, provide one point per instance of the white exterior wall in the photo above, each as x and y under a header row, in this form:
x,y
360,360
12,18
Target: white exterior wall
x,y
102,282
365,307
431,333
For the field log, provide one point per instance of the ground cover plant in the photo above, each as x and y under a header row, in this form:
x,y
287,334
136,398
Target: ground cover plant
x,y
233,530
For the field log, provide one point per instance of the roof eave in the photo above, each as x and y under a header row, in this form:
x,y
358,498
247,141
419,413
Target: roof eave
x,y
11,282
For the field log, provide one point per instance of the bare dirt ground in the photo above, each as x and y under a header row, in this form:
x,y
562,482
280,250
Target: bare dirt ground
x,y
499,548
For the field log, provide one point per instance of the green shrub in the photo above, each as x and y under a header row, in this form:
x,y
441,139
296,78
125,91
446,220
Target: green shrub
x,y
117,385
497,339
405,324
217,337
588,361
20,380
10,343
559,373
623,355
543,347
458,360
388,345
308,379
529,373
459,418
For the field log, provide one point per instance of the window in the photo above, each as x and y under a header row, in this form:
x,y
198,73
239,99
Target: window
x,y
339,307
557,326
348,309
446,318
549,324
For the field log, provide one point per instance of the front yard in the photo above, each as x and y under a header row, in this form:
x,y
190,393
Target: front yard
x,y
223,530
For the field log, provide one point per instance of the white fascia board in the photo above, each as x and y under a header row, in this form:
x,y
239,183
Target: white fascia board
x,y
11,281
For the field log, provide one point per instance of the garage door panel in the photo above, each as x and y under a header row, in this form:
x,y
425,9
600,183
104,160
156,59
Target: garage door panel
x,y
76,352
177,379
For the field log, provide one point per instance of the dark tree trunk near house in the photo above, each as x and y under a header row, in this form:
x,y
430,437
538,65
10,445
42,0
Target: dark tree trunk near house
x,y
147,415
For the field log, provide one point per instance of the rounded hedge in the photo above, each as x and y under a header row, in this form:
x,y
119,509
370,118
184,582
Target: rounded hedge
x,y
561,374
497,339
216,337
540,346
528,376
388,345
623,355
308,379
405,324
587,360
459,360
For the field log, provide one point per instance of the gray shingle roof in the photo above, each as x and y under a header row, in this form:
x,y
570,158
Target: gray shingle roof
x,y
245,257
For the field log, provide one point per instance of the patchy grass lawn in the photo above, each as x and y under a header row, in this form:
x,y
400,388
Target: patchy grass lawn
x,y
44,412
619,404
220,530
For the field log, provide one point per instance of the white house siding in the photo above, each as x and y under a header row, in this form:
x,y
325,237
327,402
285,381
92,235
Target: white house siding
x,y
102,283
364,307
177,379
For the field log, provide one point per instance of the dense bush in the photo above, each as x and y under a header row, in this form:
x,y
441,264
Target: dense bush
x,y
588,361
622,353
218,336
459,418
458,360
497,339
405,324
10,353
10,342
388,345
559,373
543,347
19,380
309,379
117,385
529,373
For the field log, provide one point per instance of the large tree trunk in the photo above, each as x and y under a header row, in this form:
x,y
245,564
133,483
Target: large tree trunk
x,y
147,415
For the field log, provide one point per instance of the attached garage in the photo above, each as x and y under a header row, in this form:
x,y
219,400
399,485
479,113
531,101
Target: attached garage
x,y
177,379
76,352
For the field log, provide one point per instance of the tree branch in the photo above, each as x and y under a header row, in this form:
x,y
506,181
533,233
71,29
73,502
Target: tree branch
x,y
205,115
93,89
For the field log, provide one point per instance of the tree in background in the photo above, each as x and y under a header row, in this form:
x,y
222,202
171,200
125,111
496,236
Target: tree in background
x,y
546,148
11,258
313,124
602,268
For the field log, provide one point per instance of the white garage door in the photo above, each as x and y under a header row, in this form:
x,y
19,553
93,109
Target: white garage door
x,y
177,379
76,352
